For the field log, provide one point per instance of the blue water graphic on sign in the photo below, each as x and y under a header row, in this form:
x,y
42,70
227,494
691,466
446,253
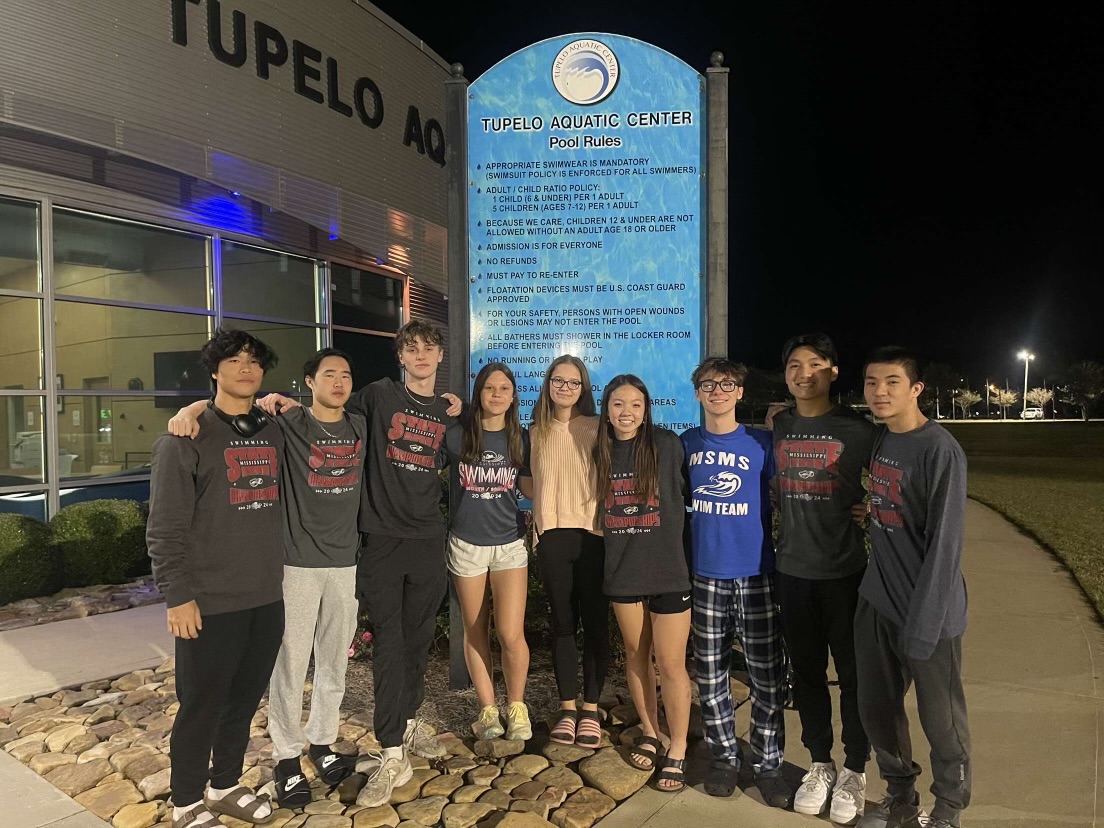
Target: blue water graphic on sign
x,y
586,216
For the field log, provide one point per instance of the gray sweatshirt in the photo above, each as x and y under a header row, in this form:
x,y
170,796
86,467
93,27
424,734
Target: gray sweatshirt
x,y
215,531
918,510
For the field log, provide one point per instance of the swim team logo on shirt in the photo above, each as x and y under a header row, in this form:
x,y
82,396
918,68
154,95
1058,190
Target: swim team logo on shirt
x,y
886,496
413,441
625,511
808,468
253,471
490,479
334,466
722,485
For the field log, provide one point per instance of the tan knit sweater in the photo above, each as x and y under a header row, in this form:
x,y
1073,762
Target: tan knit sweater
x,y
563,476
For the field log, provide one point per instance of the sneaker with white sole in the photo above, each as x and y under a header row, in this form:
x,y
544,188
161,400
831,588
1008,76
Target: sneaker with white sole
x,y
421,740
848,797
487,726
518,726
388,773
816,789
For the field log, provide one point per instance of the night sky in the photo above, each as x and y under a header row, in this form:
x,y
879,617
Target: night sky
x,y
927,174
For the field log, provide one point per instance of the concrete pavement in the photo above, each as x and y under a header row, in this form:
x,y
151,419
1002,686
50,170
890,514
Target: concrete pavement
x,y
1033,667
35,661
1032,660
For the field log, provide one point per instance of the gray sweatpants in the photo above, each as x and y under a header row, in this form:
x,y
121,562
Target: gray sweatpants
x,y
885,673
320,613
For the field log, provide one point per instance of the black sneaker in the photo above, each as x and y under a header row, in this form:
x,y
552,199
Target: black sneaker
x,y
332,767
721,778
774,789
896,812
292,789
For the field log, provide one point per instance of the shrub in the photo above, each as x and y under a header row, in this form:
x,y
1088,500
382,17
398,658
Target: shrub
x,y
28,561
101,541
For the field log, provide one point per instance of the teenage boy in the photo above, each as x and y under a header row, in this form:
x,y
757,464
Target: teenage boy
x,y
732,561
912,601
216,541
322,466
820,450
401,576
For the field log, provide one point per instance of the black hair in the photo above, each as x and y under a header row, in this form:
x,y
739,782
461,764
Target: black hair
x,y
720,367
228,342
895,355
645,454
429,333
819,343
311,366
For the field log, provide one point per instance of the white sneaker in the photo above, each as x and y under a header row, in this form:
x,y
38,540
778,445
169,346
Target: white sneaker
x,y
848,797
391,772
421,740
816,788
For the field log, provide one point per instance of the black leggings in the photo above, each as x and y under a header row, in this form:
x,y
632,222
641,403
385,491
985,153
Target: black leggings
x,y
572,566
220,678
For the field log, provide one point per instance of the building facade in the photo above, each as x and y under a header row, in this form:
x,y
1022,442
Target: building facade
x,y
169,166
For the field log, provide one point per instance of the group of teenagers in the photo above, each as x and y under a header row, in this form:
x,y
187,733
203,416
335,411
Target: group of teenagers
x,y
271,523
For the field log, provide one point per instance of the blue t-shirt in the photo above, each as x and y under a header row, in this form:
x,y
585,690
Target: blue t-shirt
x,y
730,521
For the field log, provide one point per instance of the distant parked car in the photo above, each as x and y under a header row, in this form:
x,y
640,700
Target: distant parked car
x,y
1032,414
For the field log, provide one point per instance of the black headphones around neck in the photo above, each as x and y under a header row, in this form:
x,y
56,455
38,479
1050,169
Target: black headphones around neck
x,y
247,425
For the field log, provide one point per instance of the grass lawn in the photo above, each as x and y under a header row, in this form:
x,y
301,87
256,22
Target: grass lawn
x,y
1048,479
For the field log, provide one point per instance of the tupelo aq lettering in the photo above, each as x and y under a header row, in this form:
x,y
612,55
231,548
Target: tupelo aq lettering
x,y
271,50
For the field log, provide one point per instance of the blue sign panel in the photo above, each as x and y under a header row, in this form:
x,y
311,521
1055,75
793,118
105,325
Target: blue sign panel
x,y
586,236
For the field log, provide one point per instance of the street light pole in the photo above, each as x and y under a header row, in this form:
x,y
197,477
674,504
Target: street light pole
x,y
1026,356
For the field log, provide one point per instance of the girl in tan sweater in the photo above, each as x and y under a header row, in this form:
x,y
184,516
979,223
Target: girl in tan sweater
x,y
570,554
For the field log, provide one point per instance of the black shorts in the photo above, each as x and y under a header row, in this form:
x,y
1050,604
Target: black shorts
x,y
667,603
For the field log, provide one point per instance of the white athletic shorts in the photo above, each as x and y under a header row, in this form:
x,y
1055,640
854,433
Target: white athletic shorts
x,y
468,559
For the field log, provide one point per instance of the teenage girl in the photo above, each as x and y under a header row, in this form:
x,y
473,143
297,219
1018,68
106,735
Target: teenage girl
x,y
642,493
489,462
569,543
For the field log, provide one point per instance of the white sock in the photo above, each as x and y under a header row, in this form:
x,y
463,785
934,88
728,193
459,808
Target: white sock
x,y
220,793
179,812
393,752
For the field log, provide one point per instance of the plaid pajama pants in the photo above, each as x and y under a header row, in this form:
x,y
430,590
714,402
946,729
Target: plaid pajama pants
x,y
723,609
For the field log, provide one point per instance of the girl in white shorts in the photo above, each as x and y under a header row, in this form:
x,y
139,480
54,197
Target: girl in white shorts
x,y
489,461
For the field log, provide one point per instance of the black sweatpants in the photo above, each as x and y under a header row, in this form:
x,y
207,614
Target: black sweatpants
x,y
572,564
220,678
401,583
885,674
817,618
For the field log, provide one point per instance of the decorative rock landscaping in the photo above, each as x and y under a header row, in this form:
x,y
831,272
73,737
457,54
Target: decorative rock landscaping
x,y
79,603
106,745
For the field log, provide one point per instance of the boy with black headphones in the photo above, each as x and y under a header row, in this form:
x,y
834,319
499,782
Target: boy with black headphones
x,y
215,537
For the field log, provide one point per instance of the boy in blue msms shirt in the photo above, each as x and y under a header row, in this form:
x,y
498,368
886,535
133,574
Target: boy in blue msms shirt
x,y
729,469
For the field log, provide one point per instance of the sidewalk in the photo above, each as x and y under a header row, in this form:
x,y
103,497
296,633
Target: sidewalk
x,y
1036,705
35,661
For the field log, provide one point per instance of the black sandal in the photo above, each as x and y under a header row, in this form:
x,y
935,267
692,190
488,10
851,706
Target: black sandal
x,y
671,770
648,763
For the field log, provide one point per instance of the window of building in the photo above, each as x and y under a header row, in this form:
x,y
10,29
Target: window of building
x,y
366,300
258,282
19,257
100,258
373,356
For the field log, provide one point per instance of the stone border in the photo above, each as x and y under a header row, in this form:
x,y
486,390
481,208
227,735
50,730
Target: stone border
x,y
79,602
106,744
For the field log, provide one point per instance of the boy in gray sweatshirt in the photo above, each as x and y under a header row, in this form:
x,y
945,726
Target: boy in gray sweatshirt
x,y
215,536
912,601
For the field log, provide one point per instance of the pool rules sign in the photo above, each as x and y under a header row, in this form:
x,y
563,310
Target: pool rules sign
x,y
586,211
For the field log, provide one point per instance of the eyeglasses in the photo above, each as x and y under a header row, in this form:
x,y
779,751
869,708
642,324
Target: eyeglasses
x,y
725,385
560,382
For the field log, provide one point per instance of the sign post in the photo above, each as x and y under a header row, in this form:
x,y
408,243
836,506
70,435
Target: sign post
x,y
586,216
